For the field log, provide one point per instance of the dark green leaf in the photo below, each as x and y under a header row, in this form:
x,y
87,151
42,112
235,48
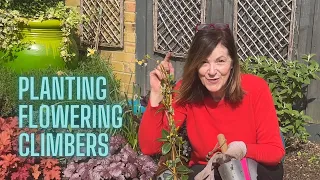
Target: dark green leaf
x,y
182,168
164,133
184,177
166,148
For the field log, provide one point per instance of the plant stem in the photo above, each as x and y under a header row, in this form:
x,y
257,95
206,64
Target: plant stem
x,y
173,147
174,168
167,101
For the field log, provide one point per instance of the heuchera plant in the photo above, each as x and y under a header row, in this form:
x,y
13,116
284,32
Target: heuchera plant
x,y
14,167
121,163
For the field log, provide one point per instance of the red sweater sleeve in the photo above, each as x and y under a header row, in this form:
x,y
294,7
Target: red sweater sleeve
x,y
151,125
268,148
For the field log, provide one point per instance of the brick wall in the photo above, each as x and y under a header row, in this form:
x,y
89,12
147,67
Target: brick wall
x,y
123,61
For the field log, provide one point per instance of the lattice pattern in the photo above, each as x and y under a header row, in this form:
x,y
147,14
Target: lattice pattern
x,y
111,26
174,24
265,28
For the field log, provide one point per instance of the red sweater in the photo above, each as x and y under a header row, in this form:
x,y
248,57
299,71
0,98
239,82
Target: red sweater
x,y
254,122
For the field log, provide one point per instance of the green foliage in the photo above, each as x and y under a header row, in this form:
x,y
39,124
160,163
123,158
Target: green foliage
x,y
288,82
315,159
88,67
10,34
15,14
8,92
131,119
30,8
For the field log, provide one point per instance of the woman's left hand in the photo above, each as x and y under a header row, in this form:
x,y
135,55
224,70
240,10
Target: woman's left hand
x,y
237,149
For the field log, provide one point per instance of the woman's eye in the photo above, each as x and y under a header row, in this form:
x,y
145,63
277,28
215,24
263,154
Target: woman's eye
x,y
221,61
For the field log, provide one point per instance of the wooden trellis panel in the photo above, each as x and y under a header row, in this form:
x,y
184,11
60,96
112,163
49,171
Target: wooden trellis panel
x,y
174,24
111,26
264,28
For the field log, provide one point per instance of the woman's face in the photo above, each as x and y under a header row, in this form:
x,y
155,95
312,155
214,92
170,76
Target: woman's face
x,y
215,71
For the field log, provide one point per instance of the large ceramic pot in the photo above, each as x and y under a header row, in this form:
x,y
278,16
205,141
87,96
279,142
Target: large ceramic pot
x,y
44,52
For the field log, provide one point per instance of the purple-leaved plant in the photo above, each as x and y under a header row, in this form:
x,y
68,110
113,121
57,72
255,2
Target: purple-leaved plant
x,y
121,163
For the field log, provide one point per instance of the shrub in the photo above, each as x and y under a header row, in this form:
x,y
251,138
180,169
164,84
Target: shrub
x,y
288,82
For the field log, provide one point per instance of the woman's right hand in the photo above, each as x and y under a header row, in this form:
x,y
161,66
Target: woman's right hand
x,y
155,80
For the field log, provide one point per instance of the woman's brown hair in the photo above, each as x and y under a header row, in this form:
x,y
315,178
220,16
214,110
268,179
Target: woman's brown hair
x,y
204,42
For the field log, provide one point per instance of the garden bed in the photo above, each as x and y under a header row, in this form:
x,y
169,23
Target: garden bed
x,y
303,162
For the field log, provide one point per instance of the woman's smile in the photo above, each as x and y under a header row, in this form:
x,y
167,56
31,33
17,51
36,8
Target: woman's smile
x,y
213,80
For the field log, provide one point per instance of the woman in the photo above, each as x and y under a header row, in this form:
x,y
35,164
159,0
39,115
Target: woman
x,y
216,98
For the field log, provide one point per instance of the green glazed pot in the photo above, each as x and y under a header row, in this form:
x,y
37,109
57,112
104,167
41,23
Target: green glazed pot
x,y
44,52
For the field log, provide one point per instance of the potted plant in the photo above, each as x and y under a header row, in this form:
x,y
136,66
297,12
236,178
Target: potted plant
x,y
38,34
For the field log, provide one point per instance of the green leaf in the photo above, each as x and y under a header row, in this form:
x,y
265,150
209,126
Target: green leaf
x,y
272,86
170,163
166,148
283,91
307,118
184,177
170,177
289,127
307,81
284,130
177,160
183,169
69,128
298,123
164,133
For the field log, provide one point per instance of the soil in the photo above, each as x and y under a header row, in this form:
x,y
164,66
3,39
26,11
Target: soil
x,y
302,162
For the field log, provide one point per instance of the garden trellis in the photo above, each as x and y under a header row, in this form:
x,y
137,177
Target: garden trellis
x,y
264,27
260,27
174,24
111,26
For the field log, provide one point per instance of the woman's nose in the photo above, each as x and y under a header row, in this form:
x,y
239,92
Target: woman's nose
x,y
212,70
